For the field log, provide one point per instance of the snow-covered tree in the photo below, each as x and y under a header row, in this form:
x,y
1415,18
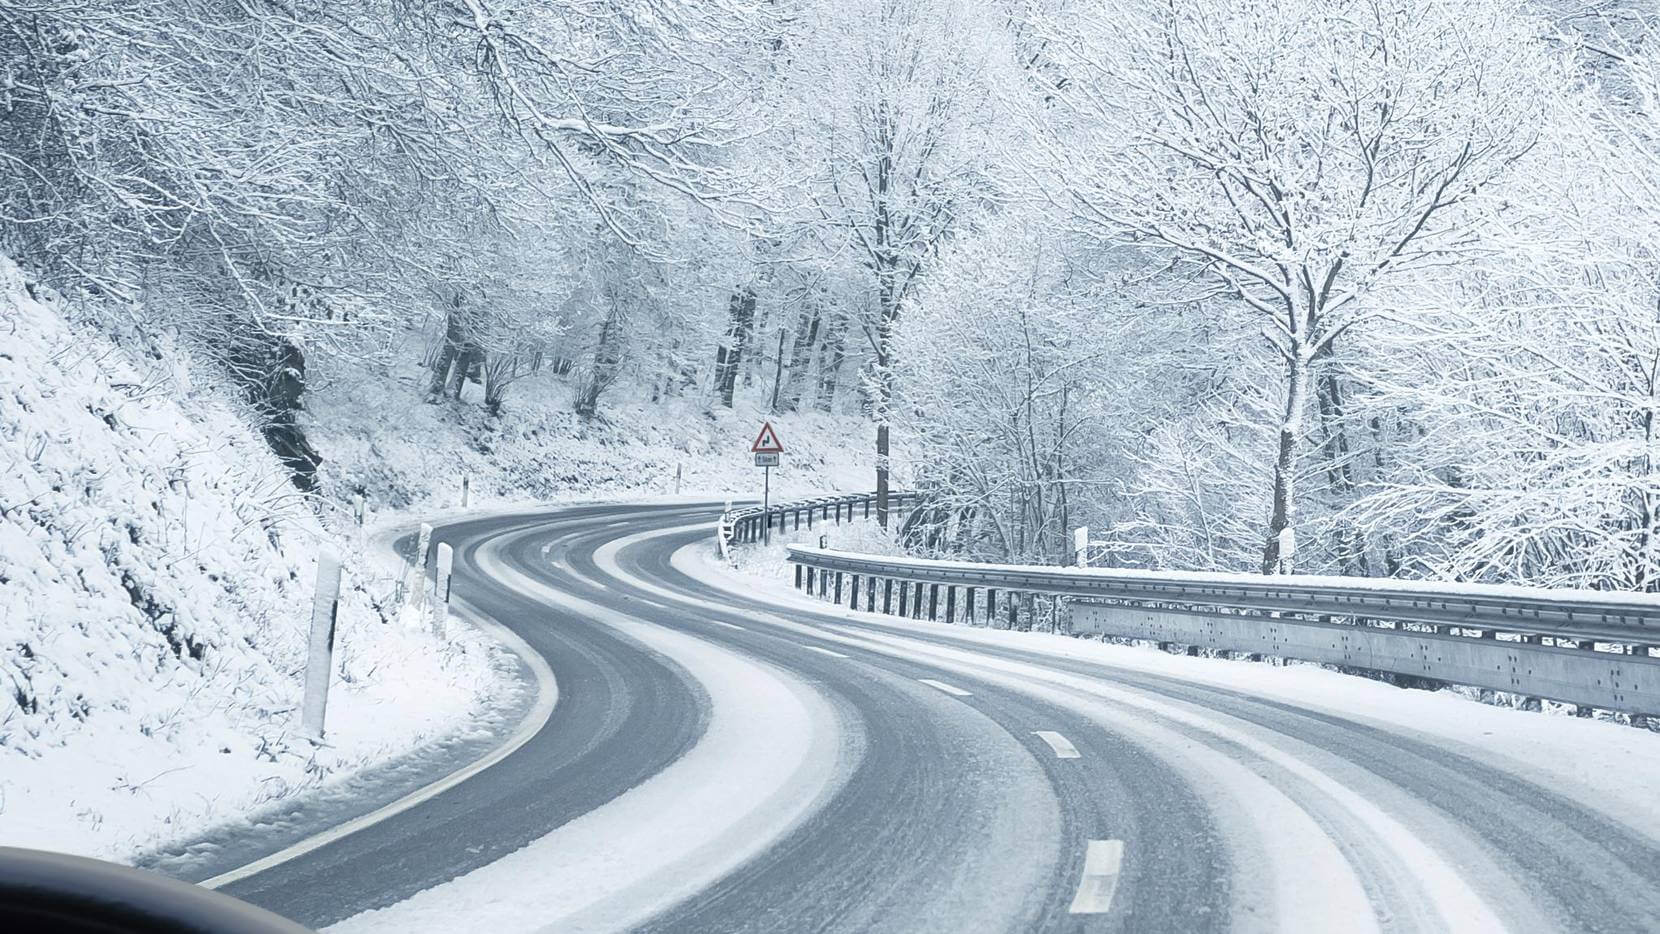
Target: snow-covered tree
x,y
1303,155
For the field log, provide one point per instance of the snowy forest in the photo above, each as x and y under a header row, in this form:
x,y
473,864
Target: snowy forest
x,y
1363,287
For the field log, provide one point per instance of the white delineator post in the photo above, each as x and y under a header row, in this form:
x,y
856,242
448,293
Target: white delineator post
x,y
415,578
325,609
441,589
466,490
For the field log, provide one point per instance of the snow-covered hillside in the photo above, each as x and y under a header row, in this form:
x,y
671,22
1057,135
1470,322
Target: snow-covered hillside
x,y
377,433
156,572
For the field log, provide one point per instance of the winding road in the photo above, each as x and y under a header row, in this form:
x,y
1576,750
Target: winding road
x,y
722,760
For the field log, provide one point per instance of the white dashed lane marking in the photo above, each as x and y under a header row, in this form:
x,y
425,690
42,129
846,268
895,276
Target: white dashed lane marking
x,y
941,685
1101,864
1061,745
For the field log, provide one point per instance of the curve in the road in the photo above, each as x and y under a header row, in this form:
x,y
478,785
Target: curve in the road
x,y
971,786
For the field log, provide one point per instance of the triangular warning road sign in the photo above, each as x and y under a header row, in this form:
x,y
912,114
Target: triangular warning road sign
x,y
767,441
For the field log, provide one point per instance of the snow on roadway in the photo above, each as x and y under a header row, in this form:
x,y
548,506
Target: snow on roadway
x,y
773,751
1283,805
1599,762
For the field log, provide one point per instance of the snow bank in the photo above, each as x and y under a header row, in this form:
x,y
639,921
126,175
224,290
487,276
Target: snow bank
x,y
156,571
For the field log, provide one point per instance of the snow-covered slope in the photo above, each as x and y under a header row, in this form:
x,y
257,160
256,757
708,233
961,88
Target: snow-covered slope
x,y
156,572
376,432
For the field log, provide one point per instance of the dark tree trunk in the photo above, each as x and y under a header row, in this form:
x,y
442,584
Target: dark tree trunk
x,y
1279,555
729,355
607,357
801,354
830,368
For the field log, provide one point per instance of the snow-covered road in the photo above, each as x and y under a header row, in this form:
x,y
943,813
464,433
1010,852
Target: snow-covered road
x,y
728,756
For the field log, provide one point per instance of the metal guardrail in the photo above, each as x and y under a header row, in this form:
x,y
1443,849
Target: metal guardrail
x,y
1485,636
753,523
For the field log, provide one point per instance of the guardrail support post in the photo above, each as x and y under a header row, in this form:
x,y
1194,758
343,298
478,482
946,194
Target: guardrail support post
x,y
838,588
810,572
853,598
991,608
950,604
870,596
798,577
867,507
934,602
1014,611
916,606
968,605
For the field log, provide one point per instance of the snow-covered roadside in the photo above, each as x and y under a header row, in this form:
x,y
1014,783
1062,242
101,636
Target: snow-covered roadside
x,y
156,571
1601,759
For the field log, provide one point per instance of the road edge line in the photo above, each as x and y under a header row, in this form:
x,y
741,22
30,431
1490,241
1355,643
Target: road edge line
x,y
547,697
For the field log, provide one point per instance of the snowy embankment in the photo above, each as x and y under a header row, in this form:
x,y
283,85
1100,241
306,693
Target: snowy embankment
x,y
378,433
156,573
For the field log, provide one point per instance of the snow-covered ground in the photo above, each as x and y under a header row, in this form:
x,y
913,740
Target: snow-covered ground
x,y
376,432
156,575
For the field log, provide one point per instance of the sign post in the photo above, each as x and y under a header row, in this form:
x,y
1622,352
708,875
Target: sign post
x,y
766,449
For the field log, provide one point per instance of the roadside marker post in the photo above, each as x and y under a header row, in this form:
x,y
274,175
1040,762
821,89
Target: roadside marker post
x,y
766,449
325,611
415,578
441,589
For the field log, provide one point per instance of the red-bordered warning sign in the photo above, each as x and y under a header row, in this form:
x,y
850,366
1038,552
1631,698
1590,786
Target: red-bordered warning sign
x,y
767,441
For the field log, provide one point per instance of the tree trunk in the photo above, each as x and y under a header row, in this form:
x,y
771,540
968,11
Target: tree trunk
x,y
607,356
882,410
801,359
830,367
453,340
1279,554
729,355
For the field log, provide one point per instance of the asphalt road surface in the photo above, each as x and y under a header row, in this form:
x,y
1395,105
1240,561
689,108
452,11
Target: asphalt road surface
x,y
973,787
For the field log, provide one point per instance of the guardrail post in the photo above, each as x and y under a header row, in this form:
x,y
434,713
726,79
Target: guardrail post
x,y
968,605
991,608
916,601
810,572
798,577
838,588
1014,611
441,589
950,604
870,596
904,598
887,595
867,507
934,602
325,611
853,598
